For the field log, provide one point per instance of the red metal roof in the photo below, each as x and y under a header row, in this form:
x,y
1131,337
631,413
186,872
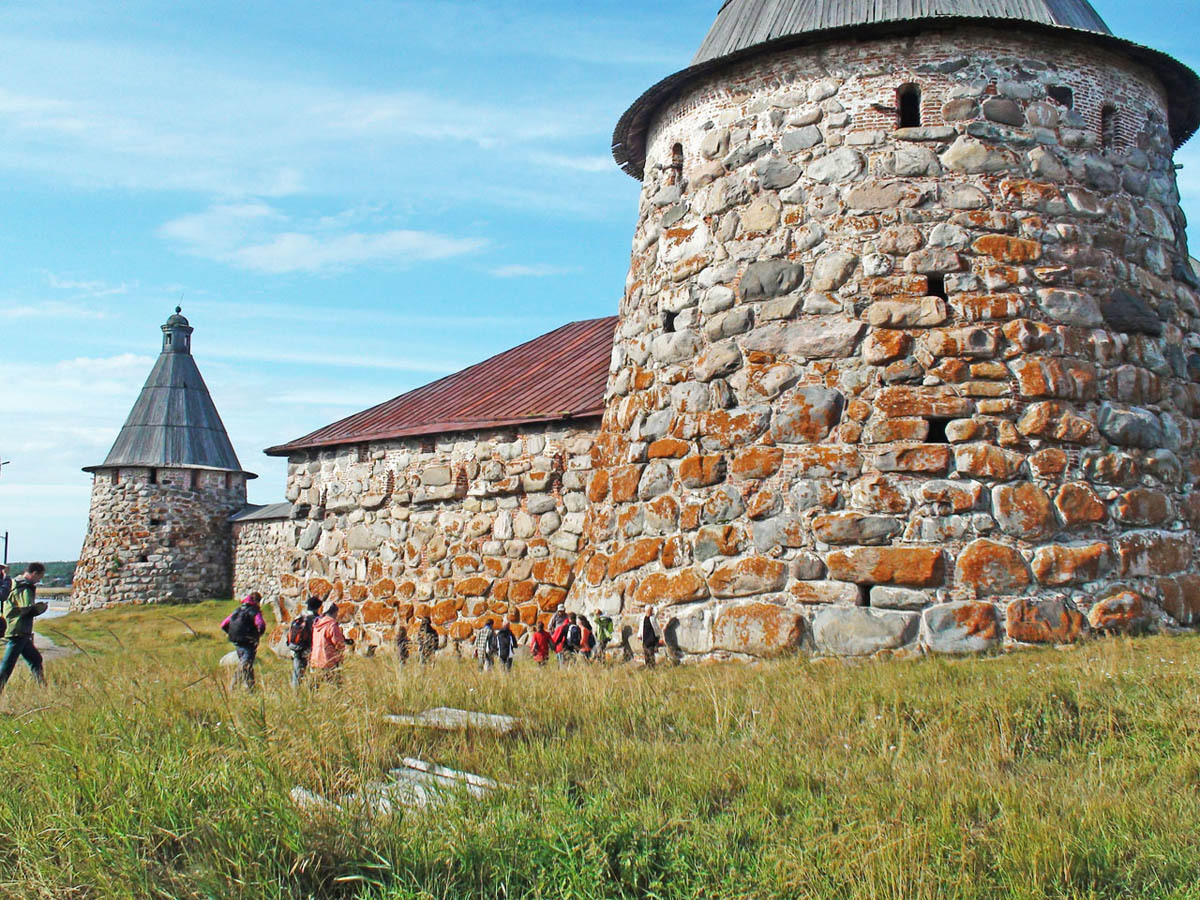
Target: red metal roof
x,y
560,375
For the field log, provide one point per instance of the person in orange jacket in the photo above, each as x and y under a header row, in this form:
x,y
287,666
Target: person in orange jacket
x,y
328,643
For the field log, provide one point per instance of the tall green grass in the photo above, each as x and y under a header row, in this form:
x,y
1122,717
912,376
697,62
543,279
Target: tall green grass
x,y
1043,774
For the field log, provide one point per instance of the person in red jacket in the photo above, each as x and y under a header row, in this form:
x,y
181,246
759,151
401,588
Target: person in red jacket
x,y
539,644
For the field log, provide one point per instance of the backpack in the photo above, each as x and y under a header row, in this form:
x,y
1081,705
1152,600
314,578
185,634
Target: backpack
x,y
242,629
299,635
573,638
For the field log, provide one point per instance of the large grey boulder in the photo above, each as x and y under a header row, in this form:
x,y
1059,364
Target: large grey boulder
x,y
860,631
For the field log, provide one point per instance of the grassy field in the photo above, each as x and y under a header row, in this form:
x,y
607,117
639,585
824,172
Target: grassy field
x,y
1042,774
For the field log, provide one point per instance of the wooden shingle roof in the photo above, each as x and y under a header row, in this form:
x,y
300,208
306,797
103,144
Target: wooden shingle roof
x,y
174,422
747,23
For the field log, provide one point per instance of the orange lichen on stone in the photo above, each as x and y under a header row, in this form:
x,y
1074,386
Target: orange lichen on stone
x,y
633,556
669,448
1008,249
623,483
473,587
905,566
1032,621
669,589
978,619
758,629
989,567
375,612
1078,505
1061,564
753,575
555,570
598,487
1122,612
758,462
702,471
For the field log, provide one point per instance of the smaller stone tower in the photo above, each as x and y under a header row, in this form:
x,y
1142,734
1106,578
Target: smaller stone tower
x,y
159,524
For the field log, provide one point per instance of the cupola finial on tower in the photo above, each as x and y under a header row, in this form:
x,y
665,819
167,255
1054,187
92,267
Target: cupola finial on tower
x,y
177,334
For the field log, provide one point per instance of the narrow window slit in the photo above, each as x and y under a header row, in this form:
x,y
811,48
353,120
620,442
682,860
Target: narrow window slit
x,y
937,286
669,323
908,106
1108,127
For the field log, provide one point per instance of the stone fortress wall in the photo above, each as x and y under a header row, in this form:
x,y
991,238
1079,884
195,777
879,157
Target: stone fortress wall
x,y
875,387
156,535
467,527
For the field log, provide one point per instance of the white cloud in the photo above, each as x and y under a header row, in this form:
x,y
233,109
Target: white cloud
x,y
51,309
258,237
539,270
88,288
602,164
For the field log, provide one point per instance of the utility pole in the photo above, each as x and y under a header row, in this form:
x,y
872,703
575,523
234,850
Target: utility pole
x,y
4,463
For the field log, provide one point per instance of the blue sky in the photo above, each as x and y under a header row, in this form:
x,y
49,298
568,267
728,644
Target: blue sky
x,y
351,199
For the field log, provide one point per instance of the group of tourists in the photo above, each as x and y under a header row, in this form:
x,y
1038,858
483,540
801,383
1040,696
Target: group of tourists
x,y
318,644
315,639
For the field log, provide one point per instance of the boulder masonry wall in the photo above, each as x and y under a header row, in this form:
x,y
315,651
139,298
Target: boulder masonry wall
x,y
881,387
468,527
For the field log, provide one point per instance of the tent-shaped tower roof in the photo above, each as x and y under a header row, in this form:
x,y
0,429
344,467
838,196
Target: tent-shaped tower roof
x,y
744,28
174,423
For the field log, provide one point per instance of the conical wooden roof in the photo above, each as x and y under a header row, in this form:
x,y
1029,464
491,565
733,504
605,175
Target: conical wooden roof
x,y
174,423
746,23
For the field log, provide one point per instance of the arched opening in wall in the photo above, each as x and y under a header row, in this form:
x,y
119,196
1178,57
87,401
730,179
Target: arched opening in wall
x,y
908,106
1062,95
676,171
143,558
669,323
937,286
1108,127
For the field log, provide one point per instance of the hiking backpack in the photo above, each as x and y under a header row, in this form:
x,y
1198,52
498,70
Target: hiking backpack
x,y
242,629
300,632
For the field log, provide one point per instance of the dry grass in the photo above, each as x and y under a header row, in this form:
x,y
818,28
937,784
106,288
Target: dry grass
x,y
1044,774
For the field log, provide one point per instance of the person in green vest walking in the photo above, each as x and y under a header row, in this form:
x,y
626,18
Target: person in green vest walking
x,y
603,627
21,609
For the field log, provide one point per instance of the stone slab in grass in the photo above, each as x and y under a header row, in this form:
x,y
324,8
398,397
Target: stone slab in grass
x,y
447,719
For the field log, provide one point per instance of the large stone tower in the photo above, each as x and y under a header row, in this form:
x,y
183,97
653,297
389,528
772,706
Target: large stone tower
x,y
909,346
159,524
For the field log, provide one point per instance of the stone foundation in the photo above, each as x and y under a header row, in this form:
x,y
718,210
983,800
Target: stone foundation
x,y
158,535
